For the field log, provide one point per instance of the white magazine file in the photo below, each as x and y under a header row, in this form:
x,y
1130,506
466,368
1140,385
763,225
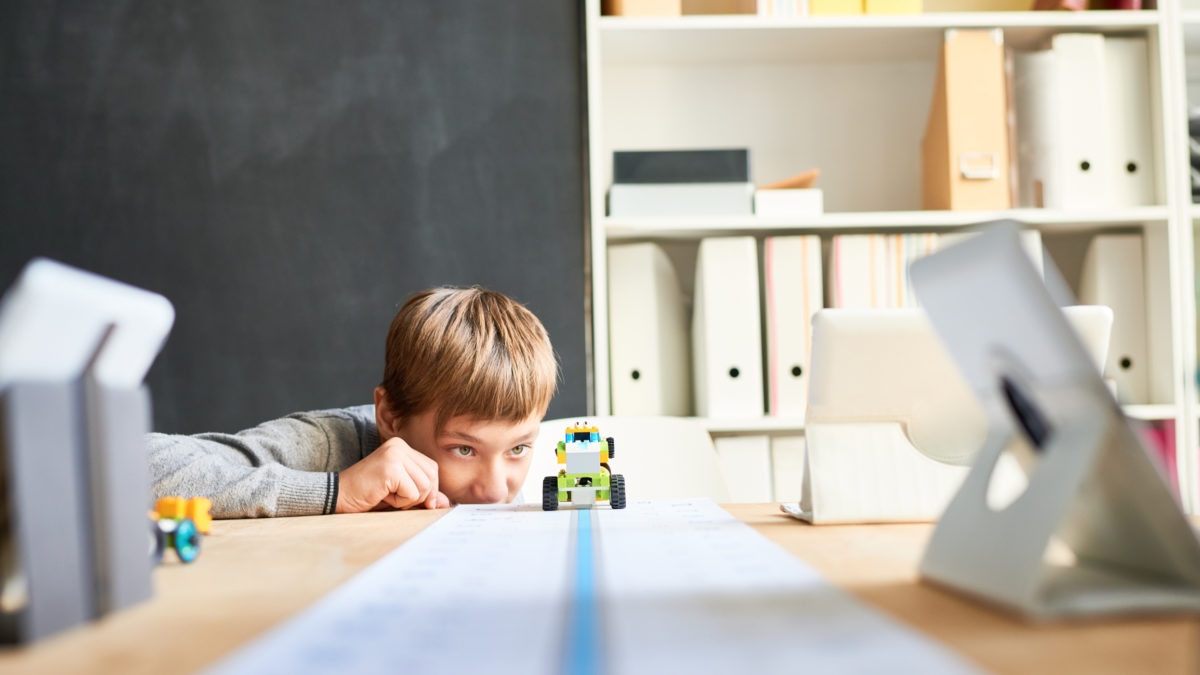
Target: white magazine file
x,y
649,338
1131,131
1093,490
1064,149
1114,275
792,292
727,373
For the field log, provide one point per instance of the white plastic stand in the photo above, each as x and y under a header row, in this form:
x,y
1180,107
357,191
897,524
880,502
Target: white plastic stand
x,y
1093,489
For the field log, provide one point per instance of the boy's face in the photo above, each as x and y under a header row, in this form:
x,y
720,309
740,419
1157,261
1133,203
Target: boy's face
x,y
479,461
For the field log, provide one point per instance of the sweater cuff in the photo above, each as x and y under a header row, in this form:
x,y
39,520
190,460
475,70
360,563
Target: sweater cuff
x,y
307,493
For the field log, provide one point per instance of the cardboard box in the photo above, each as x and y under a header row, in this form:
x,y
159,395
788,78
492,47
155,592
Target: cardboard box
x,y
643,8
965,151
720,6
654,8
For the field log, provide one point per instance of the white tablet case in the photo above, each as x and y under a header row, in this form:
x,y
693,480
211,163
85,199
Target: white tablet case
x,y
1092,486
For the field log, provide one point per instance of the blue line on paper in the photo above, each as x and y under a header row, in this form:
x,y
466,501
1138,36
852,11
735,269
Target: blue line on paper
x,y
583,653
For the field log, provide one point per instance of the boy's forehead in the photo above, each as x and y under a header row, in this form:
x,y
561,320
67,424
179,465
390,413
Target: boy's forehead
x,y
471,428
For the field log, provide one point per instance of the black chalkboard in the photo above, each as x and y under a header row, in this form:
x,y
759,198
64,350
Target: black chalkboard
x,y
288,172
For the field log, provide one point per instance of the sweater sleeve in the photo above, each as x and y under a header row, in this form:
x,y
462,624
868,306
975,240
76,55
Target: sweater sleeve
x,y
286,467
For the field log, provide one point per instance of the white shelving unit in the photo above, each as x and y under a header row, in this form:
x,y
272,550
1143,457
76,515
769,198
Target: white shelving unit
x,y
850,95
1188,92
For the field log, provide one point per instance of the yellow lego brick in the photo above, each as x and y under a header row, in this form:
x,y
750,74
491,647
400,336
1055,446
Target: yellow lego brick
x,y
171,507
893,6
198,511
833,7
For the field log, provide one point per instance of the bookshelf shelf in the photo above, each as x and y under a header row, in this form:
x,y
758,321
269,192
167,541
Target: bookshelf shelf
x,y
726,40
618,229
725,427
795,425
1151,412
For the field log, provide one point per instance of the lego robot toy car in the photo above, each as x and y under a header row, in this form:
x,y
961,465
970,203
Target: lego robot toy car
x,y
584,478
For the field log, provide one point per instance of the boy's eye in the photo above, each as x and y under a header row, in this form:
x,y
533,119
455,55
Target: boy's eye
x,y
464,451
519,450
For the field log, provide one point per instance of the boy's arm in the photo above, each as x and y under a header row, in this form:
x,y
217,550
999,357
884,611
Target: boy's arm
x,y
287,467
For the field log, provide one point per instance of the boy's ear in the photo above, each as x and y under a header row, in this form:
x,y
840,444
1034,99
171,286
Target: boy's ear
x,y
385,420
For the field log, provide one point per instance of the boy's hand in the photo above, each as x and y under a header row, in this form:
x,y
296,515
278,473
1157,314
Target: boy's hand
x,y
394,476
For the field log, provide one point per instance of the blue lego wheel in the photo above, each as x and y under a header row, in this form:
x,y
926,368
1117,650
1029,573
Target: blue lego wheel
x,y
186,540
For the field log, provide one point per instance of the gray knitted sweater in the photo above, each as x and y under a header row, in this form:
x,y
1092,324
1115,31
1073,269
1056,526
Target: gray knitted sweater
x,y
286,467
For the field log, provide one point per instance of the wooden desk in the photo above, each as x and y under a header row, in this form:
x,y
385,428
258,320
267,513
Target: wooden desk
x,y
254,573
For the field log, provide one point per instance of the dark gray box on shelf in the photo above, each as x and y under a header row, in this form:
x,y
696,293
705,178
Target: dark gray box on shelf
x,y
681,166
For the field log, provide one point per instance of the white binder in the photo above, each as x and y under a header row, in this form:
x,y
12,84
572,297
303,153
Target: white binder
x,y
648,333
792,292
1064,149
746,465
1130,133
1114,275
726,330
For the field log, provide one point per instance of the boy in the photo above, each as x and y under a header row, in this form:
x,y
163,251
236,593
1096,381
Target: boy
x,y
468,376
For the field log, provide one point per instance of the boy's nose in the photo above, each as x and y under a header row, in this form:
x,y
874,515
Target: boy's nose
x,y
492,488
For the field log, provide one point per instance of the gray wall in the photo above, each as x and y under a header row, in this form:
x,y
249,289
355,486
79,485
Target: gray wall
x,y
287,172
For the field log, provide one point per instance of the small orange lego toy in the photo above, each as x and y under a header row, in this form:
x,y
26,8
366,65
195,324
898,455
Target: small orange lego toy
x,y
179,523
196,508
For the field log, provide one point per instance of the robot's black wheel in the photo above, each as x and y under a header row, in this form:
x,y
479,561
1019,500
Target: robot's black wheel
x,y
612,447
550,493
617,498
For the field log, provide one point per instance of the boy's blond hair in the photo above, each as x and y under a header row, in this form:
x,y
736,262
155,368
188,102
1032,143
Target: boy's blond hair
x,y
468,351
